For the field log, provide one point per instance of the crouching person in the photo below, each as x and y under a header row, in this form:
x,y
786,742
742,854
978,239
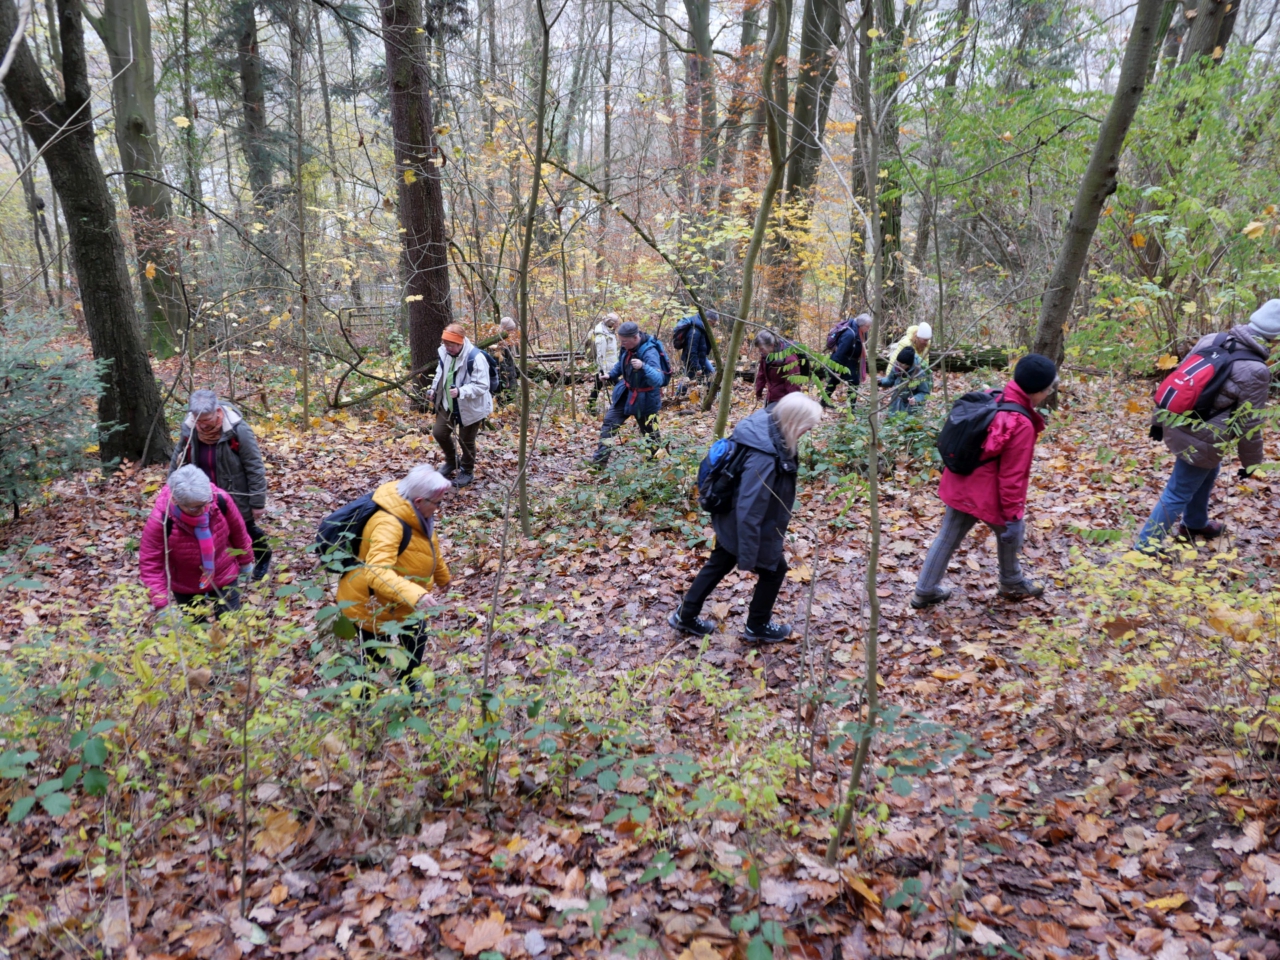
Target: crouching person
x,y
995,493
400,563
751,534
194,545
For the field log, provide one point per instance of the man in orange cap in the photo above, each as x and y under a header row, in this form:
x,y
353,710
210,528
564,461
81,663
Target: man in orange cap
x,y
463,394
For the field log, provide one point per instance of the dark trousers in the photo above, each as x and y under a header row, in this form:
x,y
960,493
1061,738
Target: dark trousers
x,y
444,431
225,599
614,419
597,385
413,638
718,566
261,547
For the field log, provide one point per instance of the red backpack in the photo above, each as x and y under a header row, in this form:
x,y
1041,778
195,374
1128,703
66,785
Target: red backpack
x,y
1194,386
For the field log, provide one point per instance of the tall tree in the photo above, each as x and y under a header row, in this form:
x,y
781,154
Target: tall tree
x,y
700,90
418,172
1099,180
63,129
125,30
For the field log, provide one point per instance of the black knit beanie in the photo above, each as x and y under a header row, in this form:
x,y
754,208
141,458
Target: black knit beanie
x,y
1035,373
907,357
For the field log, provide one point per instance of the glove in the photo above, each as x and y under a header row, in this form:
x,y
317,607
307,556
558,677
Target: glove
x,y
1157,432
1012,532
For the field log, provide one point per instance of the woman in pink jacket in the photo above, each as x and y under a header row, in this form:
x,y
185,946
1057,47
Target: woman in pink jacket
x,y
187,543
995,493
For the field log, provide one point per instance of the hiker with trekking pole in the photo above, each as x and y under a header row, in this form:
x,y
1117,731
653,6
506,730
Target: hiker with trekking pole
x,y
1214,397
463,394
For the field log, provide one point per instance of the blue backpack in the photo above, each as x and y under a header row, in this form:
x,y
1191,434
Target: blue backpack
x,y
718,475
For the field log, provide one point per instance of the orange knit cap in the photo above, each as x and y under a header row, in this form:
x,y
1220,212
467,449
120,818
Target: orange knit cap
x,y
453,334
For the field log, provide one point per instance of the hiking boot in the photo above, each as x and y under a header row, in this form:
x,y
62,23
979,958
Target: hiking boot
x,y
1022,590
771,632
463,478
447,471
696,626
922,600
1210,531
260,569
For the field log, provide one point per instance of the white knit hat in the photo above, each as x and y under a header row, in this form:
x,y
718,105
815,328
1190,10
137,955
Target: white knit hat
x,y
924,331
1265,321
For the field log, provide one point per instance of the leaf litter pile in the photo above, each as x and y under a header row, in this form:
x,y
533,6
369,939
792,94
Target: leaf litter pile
x,y
1090,774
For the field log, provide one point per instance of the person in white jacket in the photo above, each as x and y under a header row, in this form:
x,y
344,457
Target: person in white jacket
x,y
604,339
463,395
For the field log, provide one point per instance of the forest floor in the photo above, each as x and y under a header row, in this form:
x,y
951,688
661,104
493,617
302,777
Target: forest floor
x,y
1090,774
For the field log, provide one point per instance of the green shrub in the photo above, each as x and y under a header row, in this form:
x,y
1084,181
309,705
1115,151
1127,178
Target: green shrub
x,y
47,395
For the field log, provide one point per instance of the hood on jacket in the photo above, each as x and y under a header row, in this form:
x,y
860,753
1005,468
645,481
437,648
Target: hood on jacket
x,y
389,499
230,417
1242,333
760,432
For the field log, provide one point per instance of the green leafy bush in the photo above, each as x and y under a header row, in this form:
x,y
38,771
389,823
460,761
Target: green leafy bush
x,y
47,395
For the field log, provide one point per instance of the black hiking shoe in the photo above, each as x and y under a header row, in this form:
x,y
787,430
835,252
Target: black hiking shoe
x,y
771,632
260,569
463,479
1022,590
922,600
696,626
447,471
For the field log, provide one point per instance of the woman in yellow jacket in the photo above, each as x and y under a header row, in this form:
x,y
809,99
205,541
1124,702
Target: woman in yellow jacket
x,y
390,585
918,337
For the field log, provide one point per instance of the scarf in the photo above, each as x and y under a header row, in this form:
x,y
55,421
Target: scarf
x,y
199,526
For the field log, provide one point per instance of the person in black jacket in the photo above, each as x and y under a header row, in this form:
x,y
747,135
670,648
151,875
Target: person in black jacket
x,y
215,438
851,353
752,534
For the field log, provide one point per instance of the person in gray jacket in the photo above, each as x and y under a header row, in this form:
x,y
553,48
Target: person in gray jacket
x,y
216,438
751,536
1198,446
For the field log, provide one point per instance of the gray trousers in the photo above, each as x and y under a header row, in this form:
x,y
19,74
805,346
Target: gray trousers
x,y
956,525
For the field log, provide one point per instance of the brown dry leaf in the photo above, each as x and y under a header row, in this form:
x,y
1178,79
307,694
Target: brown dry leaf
x,y
278,831
1091,829
114,929
700,950
860,887
1053,933
405,933
199,679
1168,822
486,934
985,936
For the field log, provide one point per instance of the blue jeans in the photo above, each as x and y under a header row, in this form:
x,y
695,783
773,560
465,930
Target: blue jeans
x,y
1185,497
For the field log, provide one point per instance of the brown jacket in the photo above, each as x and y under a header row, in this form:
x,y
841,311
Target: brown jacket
x,y
1248,383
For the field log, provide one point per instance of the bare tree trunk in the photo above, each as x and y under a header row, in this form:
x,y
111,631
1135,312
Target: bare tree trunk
x,y
606,77
190,142
773,90
1211,30
526,252
1098,183
64,130
322,67
700,79
125,30
418,170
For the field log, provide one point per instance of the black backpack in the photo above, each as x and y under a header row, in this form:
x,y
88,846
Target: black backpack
x,y
962,436
719,474
338,538
494,377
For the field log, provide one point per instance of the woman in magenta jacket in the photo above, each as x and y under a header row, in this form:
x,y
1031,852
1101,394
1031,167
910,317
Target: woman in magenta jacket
x,y
995,493
773,377
187,543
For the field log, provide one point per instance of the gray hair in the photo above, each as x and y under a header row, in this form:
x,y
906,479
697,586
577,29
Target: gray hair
x,y
863,320
203,402
188,486
611,320
508,324
796,415
629,329
767,338
422,483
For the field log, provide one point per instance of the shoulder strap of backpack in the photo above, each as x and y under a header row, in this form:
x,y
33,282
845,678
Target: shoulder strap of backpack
x,y
406,533
1011,407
